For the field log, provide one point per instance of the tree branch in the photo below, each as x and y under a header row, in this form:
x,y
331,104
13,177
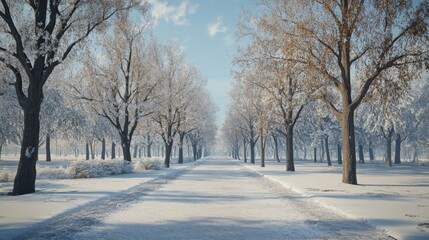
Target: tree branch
x,y
22,99
331,106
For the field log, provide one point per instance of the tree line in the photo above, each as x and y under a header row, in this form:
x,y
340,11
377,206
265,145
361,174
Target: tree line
x,y
88,71
345,70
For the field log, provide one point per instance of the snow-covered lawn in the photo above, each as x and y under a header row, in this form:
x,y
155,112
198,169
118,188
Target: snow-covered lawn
x,y
55,196
395,199
218,199
215,200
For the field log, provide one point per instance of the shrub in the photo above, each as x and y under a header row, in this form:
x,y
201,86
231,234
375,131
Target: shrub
x,y
145,164
6,175
91,169
52,173
98,168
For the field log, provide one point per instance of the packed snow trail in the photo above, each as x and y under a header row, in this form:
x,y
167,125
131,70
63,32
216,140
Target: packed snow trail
x,y
217,199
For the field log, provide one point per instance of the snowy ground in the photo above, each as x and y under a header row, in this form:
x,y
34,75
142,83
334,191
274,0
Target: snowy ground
x,y
55,197
395,199
216,199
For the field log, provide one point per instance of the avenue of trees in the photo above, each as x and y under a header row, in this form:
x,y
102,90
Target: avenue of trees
x,y
88,72
339,72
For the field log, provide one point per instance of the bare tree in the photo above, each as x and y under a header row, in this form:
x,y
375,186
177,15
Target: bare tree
x,y
351,45
178,85
32,47
119,87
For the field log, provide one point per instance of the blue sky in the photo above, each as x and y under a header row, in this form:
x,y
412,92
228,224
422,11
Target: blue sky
x,y
205,29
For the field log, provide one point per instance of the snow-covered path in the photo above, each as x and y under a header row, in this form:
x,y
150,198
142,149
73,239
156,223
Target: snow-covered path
x,y
217,199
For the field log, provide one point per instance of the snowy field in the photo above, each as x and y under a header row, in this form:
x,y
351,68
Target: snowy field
x,y
56,197
394,199
219,198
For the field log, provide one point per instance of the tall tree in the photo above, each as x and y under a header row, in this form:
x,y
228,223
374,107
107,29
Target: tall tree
x,y
351,45
120,86
244,97
32,47
178,84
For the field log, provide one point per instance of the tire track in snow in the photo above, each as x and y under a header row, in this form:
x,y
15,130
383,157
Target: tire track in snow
x,y
67,224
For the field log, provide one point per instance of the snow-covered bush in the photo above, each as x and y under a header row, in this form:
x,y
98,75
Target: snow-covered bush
x,y
99,168
52,173
90,169
144,164
6,175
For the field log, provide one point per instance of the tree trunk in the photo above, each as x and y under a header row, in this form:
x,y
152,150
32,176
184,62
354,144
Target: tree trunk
x,y
245,150
305,152
415,154
48,147
149,146
261,139
389,152
315,154
371,151
339,155
103,149
87,151
388,138
194,151
25,179
126,148
1,147
276,148
290,165
328,155
322,150
361,156
136,149
348,147
398,149
168,148
252,151
181,138
113,150
91,146
237,150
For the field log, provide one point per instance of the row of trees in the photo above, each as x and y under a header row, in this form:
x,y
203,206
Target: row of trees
x,y
318,136
342,54
125,81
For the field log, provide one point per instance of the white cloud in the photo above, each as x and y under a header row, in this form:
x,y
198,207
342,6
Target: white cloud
x,y
216,27
172,13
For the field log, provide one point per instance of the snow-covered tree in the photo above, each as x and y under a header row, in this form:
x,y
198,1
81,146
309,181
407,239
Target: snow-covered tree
x,y
243,98
350,46
54,115
417,116
262,65
234,129
177,87
36,37
196,117
11,118
119,86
